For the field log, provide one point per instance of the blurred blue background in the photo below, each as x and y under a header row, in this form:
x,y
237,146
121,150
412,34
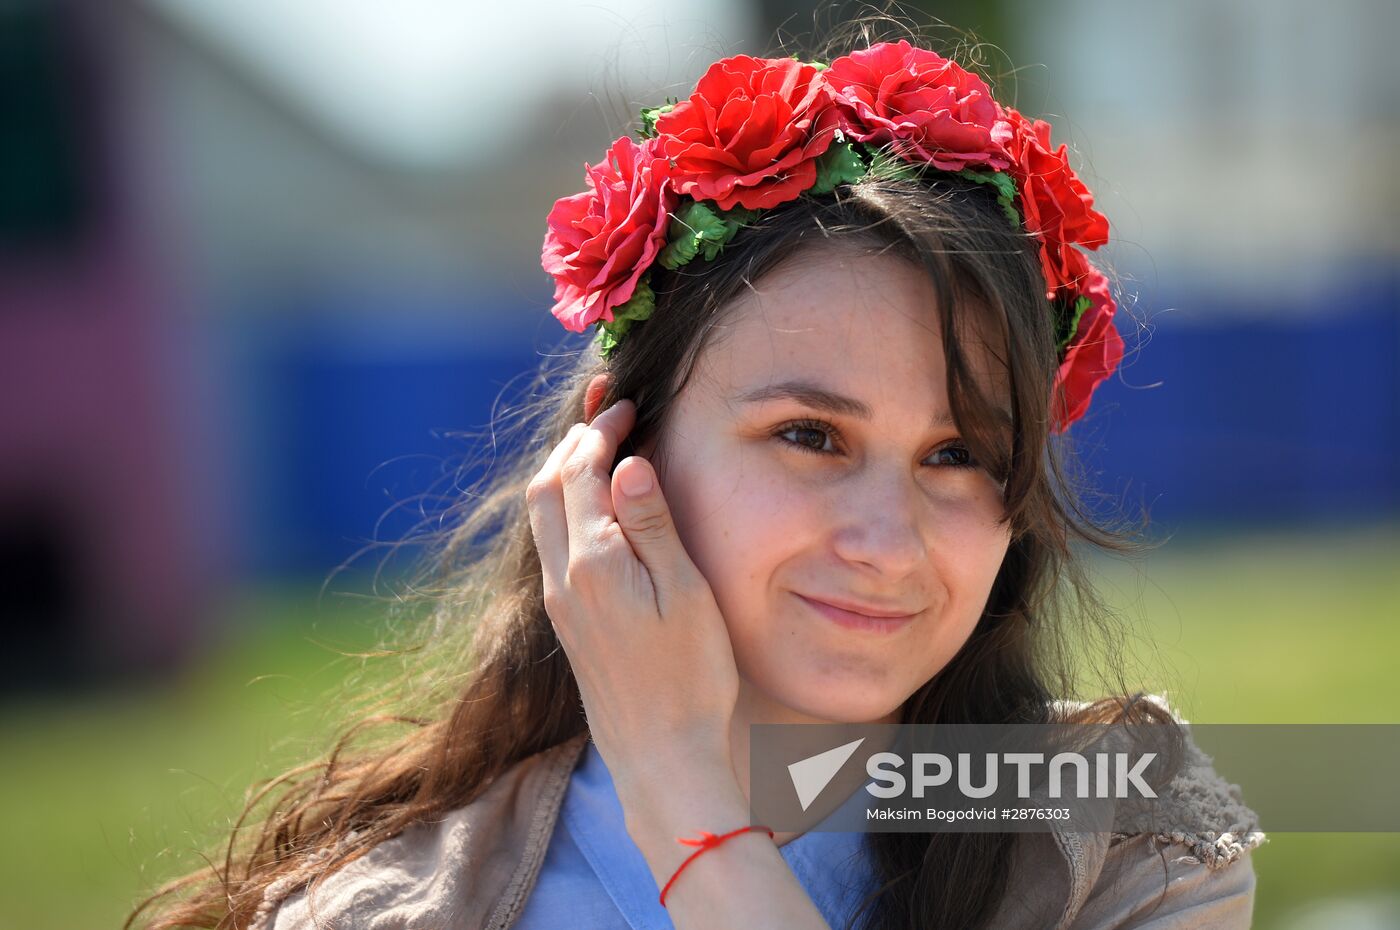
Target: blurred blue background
x,y
266,267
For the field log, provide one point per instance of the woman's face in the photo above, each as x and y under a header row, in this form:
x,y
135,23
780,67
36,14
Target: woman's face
x,y
811,461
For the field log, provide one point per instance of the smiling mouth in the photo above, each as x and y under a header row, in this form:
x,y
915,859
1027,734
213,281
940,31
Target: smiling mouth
x,y
853,620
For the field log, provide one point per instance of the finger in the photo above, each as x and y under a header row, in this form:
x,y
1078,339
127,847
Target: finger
x,y
548,522
587,475
646,521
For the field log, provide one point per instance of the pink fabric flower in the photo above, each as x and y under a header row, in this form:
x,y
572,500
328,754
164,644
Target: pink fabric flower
x,y
751,133
929,109
601,241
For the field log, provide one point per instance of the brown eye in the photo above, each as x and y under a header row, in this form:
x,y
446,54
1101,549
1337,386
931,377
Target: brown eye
x,y
955,456
809,436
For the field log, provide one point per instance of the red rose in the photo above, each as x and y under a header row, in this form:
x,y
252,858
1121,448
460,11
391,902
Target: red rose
x,y
601,241
1092,355
1056,205
751,132
928,108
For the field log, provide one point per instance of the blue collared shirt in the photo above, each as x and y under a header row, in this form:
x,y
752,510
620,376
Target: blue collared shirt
x,y
595,878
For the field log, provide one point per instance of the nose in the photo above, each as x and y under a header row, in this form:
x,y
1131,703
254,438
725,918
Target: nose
x,y
881,524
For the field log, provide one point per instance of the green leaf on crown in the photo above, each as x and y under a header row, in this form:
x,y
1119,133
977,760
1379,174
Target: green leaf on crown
x,y
1006,190
887,167
840,164
650,115
700,228
1071,323
740,216
638,307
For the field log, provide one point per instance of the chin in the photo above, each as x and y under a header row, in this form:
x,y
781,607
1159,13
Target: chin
x,y
837,704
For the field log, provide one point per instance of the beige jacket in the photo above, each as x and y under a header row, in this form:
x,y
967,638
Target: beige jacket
x,y
475,868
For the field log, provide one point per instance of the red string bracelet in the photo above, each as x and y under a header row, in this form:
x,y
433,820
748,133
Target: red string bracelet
x,y
706,842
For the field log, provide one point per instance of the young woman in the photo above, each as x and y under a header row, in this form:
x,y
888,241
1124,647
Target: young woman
x,y
807,475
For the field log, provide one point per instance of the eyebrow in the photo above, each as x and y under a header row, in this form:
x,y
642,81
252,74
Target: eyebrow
x,y
819,398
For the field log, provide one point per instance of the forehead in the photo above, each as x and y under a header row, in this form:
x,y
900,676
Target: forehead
x,y
860,322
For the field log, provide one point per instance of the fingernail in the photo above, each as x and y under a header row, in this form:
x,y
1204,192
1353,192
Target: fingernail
x,y
635,481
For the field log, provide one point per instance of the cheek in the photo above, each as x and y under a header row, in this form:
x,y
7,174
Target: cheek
x,y
968,547
737,522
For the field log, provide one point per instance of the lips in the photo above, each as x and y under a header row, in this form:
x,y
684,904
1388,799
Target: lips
x,y
854,615
858,607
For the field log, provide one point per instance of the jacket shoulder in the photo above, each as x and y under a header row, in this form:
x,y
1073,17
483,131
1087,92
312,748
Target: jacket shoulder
x,y
1195,873
1148,885
468,869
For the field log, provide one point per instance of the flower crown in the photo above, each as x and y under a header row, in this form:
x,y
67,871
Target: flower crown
x,y
759,132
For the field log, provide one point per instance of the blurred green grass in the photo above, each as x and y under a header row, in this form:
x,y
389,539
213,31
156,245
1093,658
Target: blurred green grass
x,y
107,795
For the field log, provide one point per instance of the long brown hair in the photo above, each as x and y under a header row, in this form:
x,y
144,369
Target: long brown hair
x,y
486,683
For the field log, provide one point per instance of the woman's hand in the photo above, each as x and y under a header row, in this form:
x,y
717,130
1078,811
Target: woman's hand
x,y
637,619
